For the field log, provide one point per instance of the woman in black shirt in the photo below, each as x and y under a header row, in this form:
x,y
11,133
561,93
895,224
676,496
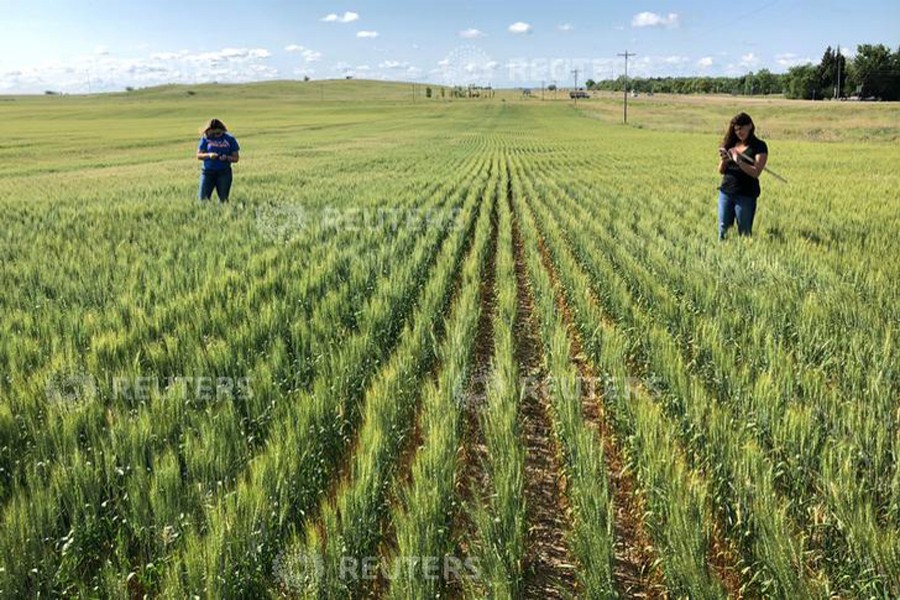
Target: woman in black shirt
x,y
743,158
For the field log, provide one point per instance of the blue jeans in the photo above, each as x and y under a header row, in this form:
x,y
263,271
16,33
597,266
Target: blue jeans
x,y
220,180
740,208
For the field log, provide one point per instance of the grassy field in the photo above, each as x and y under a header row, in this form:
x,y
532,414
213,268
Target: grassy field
x,y
468,348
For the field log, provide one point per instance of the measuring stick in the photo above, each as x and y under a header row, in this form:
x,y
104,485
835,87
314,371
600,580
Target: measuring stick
x,y
766,168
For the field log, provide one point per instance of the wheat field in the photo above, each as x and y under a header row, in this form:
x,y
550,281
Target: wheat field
x,y
445,348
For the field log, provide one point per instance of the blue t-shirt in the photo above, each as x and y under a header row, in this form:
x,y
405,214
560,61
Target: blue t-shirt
x,y
224,144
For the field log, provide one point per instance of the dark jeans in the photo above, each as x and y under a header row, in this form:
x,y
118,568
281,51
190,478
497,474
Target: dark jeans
x,y
739,208
220,180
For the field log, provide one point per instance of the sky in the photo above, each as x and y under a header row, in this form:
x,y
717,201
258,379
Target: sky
x,y
90,46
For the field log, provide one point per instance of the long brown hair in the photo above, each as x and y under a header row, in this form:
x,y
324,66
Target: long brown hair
x,y
213,124
731,138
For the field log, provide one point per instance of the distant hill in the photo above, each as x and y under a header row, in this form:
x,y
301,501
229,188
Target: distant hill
x,y
313,90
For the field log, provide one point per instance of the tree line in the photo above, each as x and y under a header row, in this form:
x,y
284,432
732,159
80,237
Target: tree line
x,y
873,73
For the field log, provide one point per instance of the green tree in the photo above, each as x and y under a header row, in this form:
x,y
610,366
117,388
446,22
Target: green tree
x,y
833,62
767,82
801,82
876,71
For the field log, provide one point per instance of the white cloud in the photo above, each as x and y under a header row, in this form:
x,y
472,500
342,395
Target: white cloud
x,y
705,62
367,34
649,19
345,69
749,60
234,54
466,65
304,72
566,27
103,73
789,59
347,17
307,54
520,28
656,66
393,64
471,33
168,55
402,72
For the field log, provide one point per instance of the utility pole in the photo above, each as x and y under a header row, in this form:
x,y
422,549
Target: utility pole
x,y
575,73
626,55
837,85
542,90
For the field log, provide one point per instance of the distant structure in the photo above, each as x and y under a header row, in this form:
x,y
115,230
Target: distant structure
x,y
472,91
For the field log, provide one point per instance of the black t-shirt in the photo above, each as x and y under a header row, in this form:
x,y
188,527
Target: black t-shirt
x,y
735,181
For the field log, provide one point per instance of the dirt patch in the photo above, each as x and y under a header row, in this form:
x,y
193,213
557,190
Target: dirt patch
x,y
634,550
633,569
550,570
387,547
473,451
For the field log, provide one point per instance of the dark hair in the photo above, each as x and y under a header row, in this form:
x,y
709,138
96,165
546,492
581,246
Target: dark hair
x,y
213,124
731,137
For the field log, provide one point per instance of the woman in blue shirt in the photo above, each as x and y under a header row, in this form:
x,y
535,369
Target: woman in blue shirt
x,y
743,157
217,149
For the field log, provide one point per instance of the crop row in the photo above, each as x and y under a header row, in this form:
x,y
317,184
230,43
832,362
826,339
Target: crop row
x,y
351,523
139,484
805,465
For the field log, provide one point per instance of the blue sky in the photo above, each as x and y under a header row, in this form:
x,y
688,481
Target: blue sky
x,y
101,45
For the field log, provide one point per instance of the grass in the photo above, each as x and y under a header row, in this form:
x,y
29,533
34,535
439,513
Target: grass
x,y
777,119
